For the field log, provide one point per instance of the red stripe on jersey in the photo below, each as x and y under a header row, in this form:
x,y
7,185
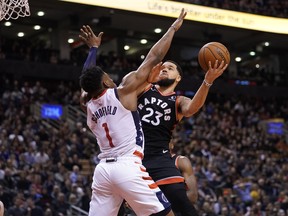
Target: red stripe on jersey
x,y
147,178
139,154
171,180
153,186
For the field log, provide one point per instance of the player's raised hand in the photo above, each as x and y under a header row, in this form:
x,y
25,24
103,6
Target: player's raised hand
x,y
87,35
178,23
215,71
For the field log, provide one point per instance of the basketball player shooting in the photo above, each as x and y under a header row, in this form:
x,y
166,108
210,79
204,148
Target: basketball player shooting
x,y
113,118
160,110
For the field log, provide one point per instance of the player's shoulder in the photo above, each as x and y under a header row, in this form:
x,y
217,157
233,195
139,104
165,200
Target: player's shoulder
x,y
184,162
183,99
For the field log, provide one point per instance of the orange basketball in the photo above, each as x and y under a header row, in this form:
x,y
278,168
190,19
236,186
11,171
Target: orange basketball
x,y
211,52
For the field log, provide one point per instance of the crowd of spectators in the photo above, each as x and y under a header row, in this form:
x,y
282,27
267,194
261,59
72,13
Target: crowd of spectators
x,y
276,8
241,169
40,51
118,66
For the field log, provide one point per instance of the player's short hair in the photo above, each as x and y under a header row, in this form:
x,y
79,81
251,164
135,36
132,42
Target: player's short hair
x,y
91,79
179,69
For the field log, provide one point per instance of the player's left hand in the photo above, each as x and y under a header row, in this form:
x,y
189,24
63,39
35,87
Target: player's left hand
x,y
87,35
179,21
215,71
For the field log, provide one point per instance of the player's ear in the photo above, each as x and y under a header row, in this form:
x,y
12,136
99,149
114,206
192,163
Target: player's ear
x,y
106,83
178,78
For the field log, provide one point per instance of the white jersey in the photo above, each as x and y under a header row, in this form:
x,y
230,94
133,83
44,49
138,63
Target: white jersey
x,y
105,118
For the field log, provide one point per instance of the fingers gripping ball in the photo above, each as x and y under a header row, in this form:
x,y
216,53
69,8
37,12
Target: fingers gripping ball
x,y
211,52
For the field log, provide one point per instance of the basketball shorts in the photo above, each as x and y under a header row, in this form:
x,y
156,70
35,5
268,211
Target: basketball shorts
x,y
126,178
162,169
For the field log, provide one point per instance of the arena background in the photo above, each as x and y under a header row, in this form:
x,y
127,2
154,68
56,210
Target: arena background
x,y
47,155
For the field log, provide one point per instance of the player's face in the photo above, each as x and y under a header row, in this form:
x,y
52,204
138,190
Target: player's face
x,y
168,75
169,71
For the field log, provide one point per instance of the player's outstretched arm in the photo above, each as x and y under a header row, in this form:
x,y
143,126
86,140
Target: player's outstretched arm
x,y
188,107
135,79
93,42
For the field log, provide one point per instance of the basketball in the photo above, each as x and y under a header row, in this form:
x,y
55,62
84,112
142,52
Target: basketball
x,y
211,52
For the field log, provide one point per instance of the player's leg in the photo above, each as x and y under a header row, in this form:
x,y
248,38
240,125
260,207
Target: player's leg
x,y
140,191
176,194
104,201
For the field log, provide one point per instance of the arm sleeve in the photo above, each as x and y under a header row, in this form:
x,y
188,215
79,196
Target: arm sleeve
x,y
91,59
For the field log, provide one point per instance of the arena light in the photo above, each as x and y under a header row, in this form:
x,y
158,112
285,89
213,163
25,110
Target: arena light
x,y
20,34
252,53
196,13
40,13
157,30
70,40
37,27
126,47
238,59
143,41
266,44
7,23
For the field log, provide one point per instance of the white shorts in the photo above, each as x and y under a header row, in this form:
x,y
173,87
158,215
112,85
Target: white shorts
x,y
126,179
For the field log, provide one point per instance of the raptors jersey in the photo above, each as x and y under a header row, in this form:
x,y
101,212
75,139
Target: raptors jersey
x,y
104,115
158,116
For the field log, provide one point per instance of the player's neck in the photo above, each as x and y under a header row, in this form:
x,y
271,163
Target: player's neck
x,y
166,89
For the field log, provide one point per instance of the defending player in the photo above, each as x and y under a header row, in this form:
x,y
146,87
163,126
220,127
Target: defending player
x,y
112,116
160,110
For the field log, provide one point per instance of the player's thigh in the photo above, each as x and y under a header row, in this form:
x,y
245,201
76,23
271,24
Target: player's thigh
x,y
141,192
104,205
104,200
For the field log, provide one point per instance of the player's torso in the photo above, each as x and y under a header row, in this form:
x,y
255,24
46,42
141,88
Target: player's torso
x,y
118,130
159,117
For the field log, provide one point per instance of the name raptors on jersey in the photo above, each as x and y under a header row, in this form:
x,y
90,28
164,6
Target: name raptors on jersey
x,y
103,111
160,104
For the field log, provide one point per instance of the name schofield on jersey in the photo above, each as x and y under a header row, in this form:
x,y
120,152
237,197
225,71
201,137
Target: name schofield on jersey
x,y
103,111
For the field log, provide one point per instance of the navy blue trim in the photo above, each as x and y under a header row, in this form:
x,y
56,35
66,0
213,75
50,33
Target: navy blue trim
x,y
91,59
164,201
140,136
116,93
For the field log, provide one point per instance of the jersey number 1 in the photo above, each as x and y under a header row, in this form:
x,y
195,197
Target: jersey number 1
x,y
105,126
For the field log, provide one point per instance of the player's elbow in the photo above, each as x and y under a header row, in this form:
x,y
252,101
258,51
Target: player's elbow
x,y
193,196
190,112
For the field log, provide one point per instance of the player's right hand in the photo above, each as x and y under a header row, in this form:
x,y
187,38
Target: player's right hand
x,y
215,71
178,23
88,36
